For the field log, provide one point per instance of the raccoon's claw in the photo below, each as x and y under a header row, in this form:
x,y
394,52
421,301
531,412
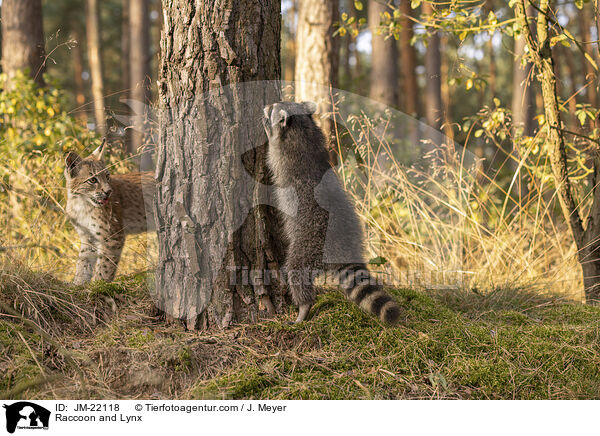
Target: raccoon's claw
x,y
302,313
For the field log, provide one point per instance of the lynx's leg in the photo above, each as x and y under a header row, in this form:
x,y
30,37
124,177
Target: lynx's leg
x,y
300,281
85,262
109,254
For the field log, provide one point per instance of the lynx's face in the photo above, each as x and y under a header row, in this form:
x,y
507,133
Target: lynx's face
x,y
88,178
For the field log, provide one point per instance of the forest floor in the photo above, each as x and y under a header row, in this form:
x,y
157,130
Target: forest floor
x,y
74,343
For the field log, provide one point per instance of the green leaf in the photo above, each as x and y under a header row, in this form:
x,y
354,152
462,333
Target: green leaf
x,y
358,5
581,116
379,260
478,133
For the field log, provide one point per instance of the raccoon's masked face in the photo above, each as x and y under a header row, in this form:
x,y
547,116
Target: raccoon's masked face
x,y
88,177
279,116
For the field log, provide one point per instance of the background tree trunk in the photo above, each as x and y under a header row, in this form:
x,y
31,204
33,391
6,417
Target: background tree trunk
x,y
408,59
125,80
317,59
78,78
209,233
433,77
523,107
384,60
139,73
288,68
95,62
522,102
586,36
23,38
125,47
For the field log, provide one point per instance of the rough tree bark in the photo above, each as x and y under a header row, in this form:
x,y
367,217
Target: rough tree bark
x,y
211,238
408,58
433,77
23,38
586,237
139,72
95,62
317,59
384,59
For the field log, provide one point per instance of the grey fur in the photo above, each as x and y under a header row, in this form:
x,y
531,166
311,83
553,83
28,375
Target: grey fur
x,y
325,233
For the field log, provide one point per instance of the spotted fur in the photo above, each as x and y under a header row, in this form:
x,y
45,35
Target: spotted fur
x,y
320,223
103,210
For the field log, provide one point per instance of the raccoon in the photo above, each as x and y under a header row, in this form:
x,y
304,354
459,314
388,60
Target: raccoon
x,y
319,221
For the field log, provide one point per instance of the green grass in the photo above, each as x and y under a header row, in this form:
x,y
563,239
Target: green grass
x,y
502,344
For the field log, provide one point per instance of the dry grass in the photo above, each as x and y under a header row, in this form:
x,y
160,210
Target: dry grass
x,y
441,220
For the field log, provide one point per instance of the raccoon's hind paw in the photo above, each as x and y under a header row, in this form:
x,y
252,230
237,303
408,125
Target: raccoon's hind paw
x,y
302,313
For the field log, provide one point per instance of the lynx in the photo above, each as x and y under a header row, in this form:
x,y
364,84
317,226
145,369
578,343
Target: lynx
x,y
325,233
103,210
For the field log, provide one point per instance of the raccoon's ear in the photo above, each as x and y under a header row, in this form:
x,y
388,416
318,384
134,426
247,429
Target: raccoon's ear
x,y
310,106
72,159
97,153
283,117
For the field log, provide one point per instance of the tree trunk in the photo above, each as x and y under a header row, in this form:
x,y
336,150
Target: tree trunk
x,y
408,58
587,239
445,91
317,60
522,108
216,236
384,59
288,73
125,47
139,73
568,62
23,38
590,74
433,77
94,59
125,81
78,79
522,104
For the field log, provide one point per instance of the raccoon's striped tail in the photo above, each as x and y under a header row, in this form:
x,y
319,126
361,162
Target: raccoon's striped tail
x,y
361,288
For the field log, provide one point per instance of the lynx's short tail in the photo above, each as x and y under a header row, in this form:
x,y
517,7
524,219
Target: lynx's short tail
x,y
360,288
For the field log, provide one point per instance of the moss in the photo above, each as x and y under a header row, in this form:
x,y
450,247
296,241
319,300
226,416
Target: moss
x,y
139,338
184,360
108,289
550,352
22,367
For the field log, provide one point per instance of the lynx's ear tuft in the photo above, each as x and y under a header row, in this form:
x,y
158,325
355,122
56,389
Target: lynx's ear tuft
x,y
72,159
310,106
97,153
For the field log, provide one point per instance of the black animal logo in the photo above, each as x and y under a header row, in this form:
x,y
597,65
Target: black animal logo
x,y
26,414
